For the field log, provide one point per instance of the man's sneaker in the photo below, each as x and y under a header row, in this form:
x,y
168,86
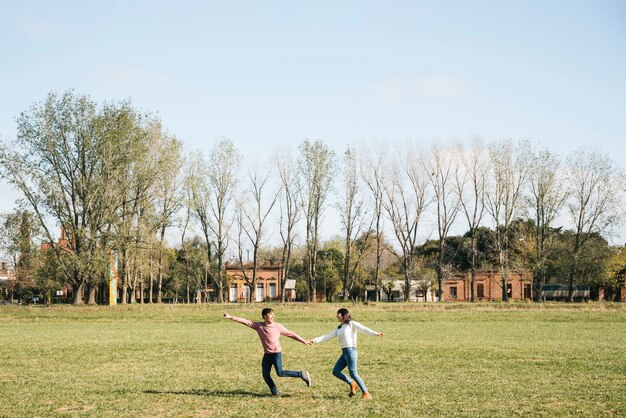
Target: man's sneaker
x,y
366,396
353,388
277,395
307,378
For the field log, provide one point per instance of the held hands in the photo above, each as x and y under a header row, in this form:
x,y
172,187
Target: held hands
x,y
226,316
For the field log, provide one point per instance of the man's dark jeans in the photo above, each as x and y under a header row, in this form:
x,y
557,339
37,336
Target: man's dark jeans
x,y
276,360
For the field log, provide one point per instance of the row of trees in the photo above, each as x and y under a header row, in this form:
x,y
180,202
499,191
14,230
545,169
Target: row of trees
x,y
116,181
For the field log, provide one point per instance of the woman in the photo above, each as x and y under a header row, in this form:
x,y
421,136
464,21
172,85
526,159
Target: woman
x,y
346,332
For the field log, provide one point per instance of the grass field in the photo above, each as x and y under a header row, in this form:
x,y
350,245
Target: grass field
x,y
435,360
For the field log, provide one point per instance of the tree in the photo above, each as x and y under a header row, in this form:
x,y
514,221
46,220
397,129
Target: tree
x,y
200,194
331,264
615,273
188,270
406,200
63,161
471,177
252,215
289,207
17,234
439,169
317,166
546,199
426,278
352,212
509,172
592,260
48,275
223,166
135,186
373,171
168,194
592,203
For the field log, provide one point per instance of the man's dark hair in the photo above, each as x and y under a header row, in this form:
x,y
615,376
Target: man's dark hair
x,y
265,311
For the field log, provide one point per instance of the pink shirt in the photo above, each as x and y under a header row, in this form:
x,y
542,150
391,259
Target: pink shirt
x,y
269,334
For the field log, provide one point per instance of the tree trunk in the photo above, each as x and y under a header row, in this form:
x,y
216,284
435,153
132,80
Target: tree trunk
x,y
505,294
160,268
133,298
91,299
407,280
473,268
151,287
78,293
124,267
439,283
378,258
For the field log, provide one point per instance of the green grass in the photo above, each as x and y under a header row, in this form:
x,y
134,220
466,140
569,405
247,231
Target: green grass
x,y
435,360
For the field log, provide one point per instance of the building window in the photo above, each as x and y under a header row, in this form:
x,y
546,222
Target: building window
x,y
527,290
260,293
453,294
232,294
480,290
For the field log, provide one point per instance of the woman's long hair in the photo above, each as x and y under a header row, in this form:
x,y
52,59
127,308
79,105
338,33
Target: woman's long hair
x,y
346,316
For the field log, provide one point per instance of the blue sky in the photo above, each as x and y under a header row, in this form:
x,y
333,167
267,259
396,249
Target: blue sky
x,y
267,74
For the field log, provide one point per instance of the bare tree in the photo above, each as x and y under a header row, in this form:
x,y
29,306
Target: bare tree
x,y
212,182
406,200
289,212
546,198
509,171
223,166
352,214
251,218
316,165
440,167
373,173
592,202
471,177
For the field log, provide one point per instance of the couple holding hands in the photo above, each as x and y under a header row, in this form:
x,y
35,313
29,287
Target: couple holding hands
x,y
270,331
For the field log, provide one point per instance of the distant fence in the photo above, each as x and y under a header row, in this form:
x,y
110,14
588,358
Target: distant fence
x,y
561,292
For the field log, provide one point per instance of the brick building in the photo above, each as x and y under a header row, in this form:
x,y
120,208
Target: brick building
x,y
488,286
267,286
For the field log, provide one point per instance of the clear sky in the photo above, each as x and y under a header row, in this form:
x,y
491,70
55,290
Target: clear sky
x,y
267,74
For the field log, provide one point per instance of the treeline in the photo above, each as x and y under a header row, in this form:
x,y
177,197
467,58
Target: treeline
x,y
115,181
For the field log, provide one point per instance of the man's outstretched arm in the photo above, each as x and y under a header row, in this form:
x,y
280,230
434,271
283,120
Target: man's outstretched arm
x,y
287,333
243,321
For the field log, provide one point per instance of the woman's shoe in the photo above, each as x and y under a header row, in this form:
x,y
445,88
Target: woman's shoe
x,y
353,388
366,396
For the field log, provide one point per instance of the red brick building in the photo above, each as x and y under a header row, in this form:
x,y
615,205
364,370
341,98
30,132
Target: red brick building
x,y
267,286
488,286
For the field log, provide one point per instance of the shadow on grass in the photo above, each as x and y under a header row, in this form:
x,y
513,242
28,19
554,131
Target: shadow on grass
x,y
221,393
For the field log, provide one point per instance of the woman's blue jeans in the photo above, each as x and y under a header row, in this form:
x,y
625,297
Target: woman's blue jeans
x,y
276,360
348,359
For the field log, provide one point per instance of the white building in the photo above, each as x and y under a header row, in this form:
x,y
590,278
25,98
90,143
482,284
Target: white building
x,y
397,293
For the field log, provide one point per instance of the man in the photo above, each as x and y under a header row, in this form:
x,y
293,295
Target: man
x,y
269,332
